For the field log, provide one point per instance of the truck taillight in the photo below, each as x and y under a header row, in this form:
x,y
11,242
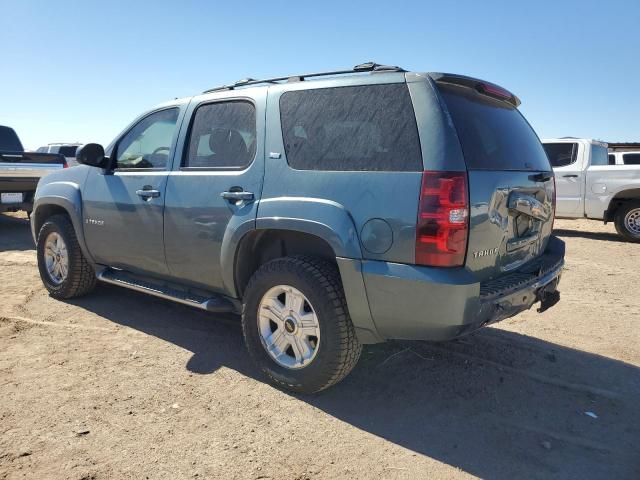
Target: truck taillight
x,y
443,219
65,164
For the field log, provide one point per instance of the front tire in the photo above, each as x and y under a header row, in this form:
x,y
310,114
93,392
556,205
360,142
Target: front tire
x,y
627,221
296,324
64,270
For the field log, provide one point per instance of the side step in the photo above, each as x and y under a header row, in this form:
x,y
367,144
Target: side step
x,y
211,302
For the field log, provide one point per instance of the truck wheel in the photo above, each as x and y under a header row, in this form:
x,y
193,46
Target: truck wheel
x,y
296,324
627,221
63,269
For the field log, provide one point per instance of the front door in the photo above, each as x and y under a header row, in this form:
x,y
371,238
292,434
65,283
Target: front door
x,y
215,185
124,208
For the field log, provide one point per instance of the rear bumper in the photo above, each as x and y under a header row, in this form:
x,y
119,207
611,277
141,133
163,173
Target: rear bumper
x,y
420,303
26,186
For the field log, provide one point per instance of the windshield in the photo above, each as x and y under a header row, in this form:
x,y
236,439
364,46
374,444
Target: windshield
x,y
493,134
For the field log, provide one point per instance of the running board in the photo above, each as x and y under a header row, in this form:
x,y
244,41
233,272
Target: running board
x,y
214,304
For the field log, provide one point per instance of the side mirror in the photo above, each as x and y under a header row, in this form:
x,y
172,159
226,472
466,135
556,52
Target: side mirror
x,y
92,154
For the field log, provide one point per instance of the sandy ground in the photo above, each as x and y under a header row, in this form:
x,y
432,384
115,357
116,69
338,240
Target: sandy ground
x,y
121,385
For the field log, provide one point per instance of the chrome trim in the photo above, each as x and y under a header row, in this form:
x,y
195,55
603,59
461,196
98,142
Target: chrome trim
x,y
152,291
27,170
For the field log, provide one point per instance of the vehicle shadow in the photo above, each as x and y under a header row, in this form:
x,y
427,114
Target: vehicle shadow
x,y
495,404
15,232
606,236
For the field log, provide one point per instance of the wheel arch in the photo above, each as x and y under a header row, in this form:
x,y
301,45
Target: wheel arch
x,y
619,199
59,198
307,226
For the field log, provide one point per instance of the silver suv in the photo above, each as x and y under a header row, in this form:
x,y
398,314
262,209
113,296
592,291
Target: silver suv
x,y
330,210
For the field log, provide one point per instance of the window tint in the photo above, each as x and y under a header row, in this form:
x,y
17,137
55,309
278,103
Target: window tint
x,y
9,141
493,134
68,151
631,158
369,127
223,135
599,155
612,159
148,143
561,154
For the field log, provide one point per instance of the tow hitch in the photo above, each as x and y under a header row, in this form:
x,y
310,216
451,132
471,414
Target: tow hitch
x,y
548,295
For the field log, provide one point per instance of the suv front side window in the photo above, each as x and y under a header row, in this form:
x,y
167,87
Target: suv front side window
x,y
631,158
148,143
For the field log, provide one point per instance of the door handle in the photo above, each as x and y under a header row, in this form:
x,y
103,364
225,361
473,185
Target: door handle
x,y
237,195
148,193
570,176
530,206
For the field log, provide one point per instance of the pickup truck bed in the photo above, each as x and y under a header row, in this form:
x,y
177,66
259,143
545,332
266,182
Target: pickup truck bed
x,y
20,173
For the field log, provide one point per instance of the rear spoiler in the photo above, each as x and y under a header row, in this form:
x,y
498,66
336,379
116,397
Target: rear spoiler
x,y
33,157
481,86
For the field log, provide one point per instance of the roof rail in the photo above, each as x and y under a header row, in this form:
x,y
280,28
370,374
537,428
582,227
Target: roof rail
x,y
363,67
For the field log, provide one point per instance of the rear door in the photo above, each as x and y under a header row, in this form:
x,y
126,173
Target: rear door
x,y
215,184
510,181
565,158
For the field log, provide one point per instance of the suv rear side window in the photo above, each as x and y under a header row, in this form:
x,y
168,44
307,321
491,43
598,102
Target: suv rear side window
x,y
493,134
223,135
561,154
361,128
631,158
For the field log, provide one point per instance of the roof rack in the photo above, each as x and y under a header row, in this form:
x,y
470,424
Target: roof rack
x,y
363,67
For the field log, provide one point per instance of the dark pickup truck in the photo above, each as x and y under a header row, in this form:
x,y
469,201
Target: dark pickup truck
x,y
20,171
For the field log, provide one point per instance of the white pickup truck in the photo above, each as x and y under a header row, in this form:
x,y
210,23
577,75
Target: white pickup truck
x,y
588,187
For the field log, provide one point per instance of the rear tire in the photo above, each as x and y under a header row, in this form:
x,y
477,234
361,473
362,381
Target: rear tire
x,y
64,270
627,221
332,353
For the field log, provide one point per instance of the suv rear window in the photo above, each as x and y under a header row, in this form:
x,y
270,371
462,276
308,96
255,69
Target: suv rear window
x,y
493,134
561,154
371,127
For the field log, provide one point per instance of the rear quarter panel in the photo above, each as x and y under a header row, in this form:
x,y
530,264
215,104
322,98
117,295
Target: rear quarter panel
x,y
382,206
604,182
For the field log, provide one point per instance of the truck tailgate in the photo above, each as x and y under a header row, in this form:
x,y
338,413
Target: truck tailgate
x,y
29,164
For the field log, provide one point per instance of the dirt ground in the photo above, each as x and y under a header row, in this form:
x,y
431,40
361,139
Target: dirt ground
x,y
121,385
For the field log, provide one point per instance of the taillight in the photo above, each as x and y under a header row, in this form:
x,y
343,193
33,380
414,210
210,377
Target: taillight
x,y
65,164
443,219
553,203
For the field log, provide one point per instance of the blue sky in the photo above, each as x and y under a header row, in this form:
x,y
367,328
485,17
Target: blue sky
x,y
82,70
